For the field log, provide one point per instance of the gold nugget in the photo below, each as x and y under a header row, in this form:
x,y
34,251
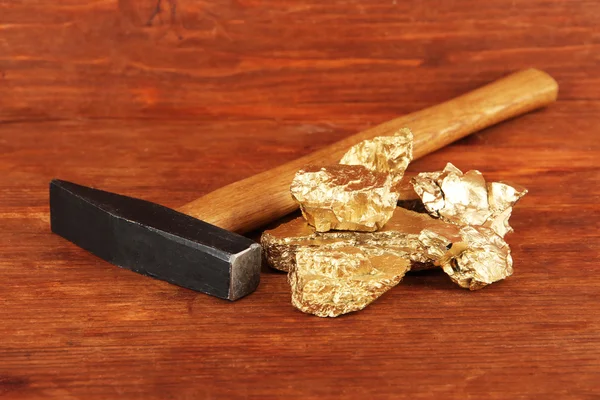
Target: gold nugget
x,y
400,235
387,154
466,199
344,197
480,258
333,279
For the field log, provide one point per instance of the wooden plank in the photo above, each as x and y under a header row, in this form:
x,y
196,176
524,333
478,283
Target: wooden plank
x,y
229,60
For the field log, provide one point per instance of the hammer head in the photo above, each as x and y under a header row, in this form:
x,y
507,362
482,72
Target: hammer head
x,y
156,241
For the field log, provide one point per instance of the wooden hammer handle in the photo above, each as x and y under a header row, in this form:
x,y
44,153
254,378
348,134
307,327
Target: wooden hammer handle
x,y
253,202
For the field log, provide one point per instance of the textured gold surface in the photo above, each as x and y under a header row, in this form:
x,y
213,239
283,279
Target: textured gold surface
x,y
334,279
387,154
466,199
344,197
502,197
480,258
400,235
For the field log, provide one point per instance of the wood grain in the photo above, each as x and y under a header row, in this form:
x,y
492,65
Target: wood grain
x,y
223,90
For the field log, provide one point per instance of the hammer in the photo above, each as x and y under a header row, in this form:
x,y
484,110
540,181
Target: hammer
x,y
196,247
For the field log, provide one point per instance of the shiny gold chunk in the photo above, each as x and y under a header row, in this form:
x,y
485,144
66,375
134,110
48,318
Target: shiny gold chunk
x,y
466,199
502,197
334,279
454,196
400,235
281,243
480,258
344,197
387,154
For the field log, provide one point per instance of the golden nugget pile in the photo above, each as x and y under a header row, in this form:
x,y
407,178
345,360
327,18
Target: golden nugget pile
x,y
354,243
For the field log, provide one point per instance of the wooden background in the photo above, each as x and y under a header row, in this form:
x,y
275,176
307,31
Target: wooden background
x,y
209,92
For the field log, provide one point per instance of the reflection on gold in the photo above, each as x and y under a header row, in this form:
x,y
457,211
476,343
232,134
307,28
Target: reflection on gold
x,y
335,279
344,197
466,199
386,154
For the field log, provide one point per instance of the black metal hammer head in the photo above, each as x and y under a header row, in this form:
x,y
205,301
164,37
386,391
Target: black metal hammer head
x,y
156,241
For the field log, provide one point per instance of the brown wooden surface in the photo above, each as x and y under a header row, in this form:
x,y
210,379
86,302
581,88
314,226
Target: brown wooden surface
x,y
226,89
